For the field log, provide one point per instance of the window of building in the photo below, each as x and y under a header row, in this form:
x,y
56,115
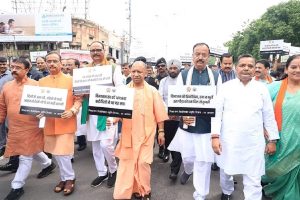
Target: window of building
x,y
110,51
23,46
117,54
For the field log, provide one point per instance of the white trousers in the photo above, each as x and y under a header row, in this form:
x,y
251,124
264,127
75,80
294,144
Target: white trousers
x,y
201,177
104,149
252,185
25,163
65,167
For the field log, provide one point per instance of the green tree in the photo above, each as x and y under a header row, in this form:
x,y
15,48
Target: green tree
x,y
279,22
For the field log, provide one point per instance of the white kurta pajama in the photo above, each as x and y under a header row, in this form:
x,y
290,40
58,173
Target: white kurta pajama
x,y
103,141
195,147
242,112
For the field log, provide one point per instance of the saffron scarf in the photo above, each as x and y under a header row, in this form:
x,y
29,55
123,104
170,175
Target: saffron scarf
x,y
268,78
278,103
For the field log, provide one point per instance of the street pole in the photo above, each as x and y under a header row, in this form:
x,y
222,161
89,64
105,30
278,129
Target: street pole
x,y
129,40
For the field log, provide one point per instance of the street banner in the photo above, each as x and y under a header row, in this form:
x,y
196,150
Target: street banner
x,y
191,100
49,101
81,55
271,47
83,78
111,101
294,50
36,28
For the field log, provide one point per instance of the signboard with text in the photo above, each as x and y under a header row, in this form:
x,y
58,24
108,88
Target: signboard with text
x,y
111,101
193,100
271,47
218,51
49,101
40,27
83,78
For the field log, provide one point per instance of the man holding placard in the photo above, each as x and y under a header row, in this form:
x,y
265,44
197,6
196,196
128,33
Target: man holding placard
x,y
59,132
244,110
101,137
192,139
25,138
135,149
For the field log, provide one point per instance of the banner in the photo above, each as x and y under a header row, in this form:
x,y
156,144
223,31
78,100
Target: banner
x,y
111,101
193,100
80,55
49,101
83,78
39,27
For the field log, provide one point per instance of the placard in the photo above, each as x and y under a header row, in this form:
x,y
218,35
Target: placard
x,y
49,101
111,101
271,47
193,100
83,78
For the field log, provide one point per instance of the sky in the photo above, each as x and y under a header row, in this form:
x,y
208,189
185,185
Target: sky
x,y
170,28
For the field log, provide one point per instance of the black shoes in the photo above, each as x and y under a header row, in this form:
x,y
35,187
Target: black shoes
x,y
184,178
48,170
166,156
2,150
215,167
225,197
173,176
161,152
81,148
8,167
14,194
111,179
99,180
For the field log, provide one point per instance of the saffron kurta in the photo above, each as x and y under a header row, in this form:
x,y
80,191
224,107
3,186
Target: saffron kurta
x,y
24,136
242,112
59,133
135,149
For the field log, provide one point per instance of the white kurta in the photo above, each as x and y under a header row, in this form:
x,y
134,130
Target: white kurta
x,y
81,128
241,114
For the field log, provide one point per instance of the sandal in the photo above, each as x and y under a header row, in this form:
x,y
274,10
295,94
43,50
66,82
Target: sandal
x,y
137,196
69,187
147,197
60,186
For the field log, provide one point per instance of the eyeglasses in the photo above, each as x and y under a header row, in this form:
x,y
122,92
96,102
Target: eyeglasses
x,y
96,50
52,61
17,68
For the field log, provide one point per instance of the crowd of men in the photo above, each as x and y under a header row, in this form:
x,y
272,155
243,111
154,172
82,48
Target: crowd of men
x,y
197,142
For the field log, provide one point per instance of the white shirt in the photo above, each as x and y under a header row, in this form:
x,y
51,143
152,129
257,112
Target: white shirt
x,y
242,111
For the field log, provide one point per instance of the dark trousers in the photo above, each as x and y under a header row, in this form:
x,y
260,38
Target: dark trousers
x,y
171,127
81,140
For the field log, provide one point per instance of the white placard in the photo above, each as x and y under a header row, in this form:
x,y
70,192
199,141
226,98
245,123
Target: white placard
x,y
218,51
193,100
271,46
294,50
49,101
35,54
83,78
111,101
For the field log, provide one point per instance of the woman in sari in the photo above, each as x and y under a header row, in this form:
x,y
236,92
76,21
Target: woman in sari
x,y
282,177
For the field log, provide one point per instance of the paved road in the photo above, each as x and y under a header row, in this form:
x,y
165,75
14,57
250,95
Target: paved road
x,y
162,187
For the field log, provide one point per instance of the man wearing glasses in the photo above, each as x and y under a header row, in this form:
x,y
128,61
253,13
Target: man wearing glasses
x,y
25,138
102,139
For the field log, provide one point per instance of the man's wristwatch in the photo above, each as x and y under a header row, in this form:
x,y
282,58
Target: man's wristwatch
x,y
272,141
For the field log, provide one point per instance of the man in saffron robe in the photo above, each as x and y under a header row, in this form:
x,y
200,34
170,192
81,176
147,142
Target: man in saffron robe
x,y
135,149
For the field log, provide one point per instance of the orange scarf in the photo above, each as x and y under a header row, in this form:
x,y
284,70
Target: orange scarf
x,y
268,78
278,103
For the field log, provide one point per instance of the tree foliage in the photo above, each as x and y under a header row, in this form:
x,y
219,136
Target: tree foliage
x,y
279,22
